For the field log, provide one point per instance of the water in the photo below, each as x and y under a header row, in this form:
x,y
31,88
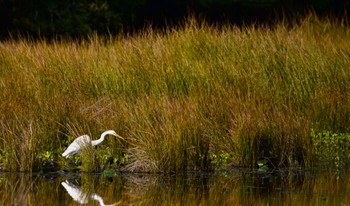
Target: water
x,y
236,187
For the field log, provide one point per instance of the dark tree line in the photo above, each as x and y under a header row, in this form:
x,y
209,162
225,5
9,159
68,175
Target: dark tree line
x,y
51,18
66,17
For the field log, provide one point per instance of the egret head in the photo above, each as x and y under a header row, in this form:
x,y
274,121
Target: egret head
x,y
112,132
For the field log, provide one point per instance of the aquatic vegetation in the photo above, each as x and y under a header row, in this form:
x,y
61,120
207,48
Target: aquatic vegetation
x,y
331,149
196,97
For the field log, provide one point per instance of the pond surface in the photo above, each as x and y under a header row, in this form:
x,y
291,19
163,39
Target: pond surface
x,y
234,187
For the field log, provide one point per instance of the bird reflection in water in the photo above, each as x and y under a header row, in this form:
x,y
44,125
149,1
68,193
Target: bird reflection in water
x,y
82,197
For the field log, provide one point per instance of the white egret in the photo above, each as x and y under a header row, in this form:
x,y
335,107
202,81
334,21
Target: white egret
x,y
84,140
82,197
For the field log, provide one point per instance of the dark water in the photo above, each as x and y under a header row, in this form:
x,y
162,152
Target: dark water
x,y
235,187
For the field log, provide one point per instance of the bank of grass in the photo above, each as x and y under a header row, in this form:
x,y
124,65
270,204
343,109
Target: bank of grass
x,y
191,98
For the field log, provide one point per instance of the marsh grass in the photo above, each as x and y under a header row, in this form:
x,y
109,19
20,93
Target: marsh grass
x,y
90,162
181,97
22,148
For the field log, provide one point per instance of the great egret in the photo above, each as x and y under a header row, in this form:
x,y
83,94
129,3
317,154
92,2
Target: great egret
x,y
82,197
83,140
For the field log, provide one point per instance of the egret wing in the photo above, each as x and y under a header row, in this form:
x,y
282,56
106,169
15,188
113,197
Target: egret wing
x,y
76,145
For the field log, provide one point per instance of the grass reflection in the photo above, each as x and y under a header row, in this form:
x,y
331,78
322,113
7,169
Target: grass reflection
x,y
237,187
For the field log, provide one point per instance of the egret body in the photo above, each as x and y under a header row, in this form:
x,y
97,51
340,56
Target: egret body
x,y
84,140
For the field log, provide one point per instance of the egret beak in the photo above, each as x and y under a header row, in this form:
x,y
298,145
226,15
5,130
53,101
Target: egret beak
x,y
117,135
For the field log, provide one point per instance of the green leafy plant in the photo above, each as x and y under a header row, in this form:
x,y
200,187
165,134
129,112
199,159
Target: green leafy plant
x,y
331,149
220,160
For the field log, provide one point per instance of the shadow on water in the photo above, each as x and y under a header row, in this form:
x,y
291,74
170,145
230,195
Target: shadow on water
x,y
234,187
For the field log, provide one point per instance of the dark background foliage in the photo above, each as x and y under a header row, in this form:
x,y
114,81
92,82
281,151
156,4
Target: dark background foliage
x,y
78,18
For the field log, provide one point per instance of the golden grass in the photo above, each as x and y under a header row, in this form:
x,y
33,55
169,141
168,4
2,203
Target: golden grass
x,y
179,96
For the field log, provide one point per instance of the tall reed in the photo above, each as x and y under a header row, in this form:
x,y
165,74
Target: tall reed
x,y
182,97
